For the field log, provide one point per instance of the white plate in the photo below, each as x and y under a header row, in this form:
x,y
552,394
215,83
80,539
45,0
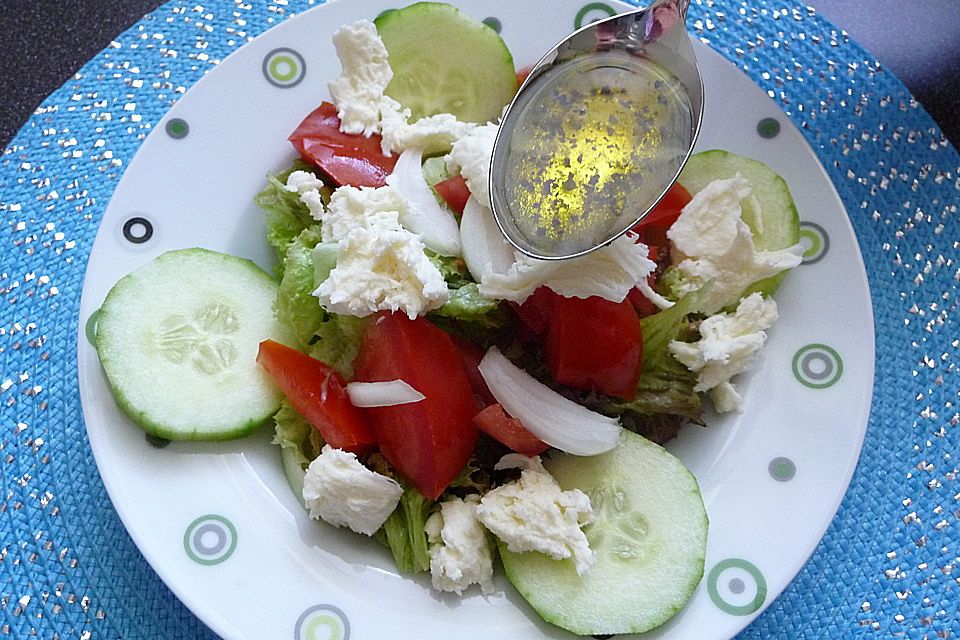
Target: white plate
x,y
218,521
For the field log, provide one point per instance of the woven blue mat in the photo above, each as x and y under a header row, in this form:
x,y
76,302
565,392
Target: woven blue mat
x,y
885,567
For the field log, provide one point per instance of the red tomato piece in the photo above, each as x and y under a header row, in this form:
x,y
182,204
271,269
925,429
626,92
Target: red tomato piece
x,y
537,310
653,228
454,192
641,304
430,441
345,158
504,428
319,394
470,356
595,344
523,73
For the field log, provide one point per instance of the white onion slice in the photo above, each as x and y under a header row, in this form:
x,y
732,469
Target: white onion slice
x,y
436,225
559,422
485,250
382,394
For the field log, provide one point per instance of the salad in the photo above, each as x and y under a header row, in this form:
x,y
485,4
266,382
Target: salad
x,y
463,404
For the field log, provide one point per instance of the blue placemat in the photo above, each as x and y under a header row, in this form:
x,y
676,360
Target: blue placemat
x,y
884,569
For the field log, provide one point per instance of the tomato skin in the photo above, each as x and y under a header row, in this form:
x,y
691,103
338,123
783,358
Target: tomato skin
x,y
641,304
454,192
430,441
522,74
470,356
537,310
502,427
319,394
595,344
652,230
345,158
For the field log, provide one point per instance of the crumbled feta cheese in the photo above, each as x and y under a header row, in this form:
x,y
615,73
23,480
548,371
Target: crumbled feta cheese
x,y
610,273
380,265
308,186
534,514
302,182
459,549
470,156
432,134
726,347
717,245
364,76
359,207
343,492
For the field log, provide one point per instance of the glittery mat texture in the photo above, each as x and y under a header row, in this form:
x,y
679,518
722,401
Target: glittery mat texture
x,y
885,567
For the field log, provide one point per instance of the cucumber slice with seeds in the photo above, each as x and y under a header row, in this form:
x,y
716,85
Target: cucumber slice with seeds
x,y
178,341
650,537
444,61
778,226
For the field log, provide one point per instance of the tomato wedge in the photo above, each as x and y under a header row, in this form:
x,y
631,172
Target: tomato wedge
x,y
504,428
319,394
454,192
537,310
470,356
430,441
652,230
345,158
595,344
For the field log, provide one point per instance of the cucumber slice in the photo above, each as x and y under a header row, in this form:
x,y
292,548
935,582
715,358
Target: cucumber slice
x,y
178,340
446,62
778,226
650,538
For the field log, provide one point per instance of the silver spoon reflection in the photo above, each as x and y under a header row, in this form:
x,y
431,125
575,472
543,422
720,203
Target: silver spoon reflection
x,y
598,133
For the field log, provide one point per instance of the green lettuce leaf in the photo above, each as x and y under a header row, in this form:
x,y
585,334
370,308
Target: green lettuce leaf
x,y
666,386
293,432
466,303
435,170
337,341
404,534
295,305
453,270
287,216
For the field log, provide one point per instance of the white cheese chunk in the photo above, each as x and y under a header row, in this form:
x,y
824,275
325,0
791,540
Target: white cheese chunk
x,y
610,273
382,270
360,208
534,514
343,492
716,245
365,73
459,550
432,134
470,156
726,348
308,186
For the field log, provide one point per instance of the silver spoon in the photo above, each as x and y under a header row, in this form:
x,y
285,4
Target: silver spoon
x,y
598,133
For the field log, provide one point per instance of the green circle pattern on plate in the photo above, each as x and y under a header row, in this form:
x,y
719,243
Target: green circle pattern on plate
x,y
177,128
322,622
768,128
210,539
815,240
284,68
817,366
592,12
782,469
728,582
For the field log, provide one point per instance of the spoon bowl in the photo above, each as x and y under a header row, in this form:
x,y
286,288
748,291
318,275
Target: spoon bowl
x,y
598,133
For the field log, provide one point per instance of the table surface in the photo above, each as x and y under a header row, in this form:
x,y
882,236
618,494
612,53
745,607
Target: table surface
x,y
39,53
